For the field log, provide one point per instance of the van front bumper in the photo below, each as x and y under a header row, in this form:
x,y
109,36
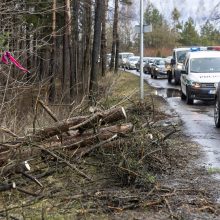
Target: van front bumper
x,y
202,93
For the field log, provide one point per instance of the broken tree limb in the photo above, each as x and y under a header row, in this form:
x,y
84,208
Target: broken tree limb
x,y
87,151
47,109
80,123
32,178
64,161
50,113
7,131
15,168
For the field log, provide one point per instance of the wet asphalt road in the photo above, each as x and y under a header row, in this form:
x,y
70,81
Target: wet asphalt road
x,y
197,119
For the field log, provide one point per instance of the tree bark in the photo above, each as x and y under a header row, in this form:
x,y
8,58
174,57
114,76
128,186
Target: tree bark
x,y
103,39
86,39
52,88
78,123
96,48
114,37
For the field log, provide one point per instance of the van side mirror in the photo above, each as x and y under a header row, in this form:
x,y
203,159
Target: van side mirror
x,y
173,61
183,72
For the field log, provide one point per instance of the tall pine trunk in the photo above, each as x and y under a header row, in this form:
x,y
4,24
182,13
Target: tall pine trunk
x,y
53,56
114,37
86,45
74,50
103,39
66,53
96,47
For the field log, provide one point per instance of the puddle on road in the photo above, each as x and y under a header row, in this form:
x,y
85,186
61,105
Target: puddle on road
x,y
167,93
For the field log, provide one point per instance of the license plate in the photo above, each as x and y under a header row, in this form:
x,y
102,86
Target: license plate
x,y
212,91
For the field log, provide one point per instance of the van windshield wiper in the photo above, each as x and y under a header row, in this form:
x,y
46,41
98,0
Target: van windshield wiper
x,y
193,71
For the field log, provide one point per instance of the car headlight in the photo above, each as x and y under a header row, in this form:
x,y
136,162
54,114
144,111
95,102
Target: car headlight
x,y
156,69
179,66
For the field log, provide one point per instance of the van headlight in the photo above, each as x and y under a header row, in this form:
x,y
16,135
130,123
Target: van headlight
x,y
195,84
216,85
179,66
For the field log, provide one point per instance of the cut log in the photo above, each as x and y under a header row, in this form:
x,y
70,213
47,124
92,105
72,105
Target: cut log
x,y
78,123
106,117
89,138
15,168
5,187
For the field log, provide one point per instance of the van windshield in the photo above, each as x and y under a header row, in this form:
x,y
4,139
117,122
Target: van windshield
x,y
181,55
127,55
205,65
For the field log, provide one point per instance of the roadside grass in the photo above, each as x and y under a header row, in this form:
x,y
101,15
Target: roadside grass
x,y
213,170
125,89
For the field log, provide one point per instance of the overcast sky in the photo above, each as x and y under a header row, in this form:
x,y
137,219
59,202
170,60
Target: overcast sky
x,y
199,10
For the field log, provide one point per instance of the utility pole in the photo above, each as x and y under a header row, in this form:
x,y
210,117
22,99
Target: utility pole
x,y
141,51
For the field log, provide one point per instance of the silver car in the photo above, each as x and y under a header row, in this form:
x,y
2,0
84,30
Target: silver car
x,y
131,62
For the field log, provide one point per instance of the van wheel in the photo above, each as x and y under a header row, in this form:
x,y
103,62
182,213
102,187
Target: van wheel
x,y
176,81
169,77
189,100
217,114
183,96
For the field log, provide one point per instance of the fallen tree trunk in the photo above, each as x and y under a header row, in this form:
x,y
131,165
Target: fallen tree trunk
x,y
80,123
89,138
78,140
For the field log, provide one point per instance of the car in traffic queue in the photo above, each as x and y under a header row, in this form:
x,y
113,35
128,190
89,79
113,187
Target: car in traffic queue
x,y
200,76
158,69
145,60
131,62
148,64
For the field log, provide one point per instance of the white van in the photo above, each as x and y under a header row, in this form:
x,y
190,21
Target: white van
x,y
123,58
200,76
177,60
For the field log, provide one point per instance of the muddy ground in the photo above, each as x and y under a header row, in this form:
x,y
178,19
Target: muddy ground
x,y
155,172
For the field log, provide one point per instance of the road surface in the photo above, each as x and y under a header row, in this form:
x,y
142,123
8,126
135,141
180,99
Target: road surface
x,y
197,119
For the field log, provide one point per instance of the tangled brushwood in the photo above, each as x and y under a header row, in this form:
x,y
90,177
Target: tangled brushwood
x,y
105,161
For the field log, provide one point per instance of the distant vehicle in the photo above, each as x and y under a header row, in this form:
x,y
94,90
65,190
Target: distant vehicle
x,y
200,76
145,60
217,48
131,62
108,59
177,60
168,63
123,58
158,69
148,64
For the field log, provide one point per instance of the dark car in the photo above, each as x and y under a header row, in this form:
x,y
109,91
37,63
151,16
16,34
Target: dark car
x,y
158,69
145,60
217,107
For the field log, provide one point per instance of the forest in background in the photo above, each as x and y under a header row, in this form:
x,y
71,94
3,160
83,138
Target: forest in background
x,y
64,43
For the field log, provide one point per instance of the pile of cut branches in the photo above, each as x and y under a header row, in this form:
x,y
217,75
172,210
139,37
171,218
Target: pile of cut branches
x,y
63,142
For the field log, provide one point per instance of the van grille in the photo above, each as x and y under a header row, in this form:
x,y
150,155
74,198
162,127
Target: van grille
x,y
208,85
